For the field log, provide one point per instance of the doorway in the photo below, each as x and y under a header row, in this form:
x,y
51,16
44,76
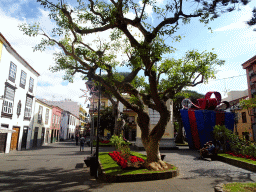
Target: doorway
x,y
3,138
15,138
24,138
47,136
42,136
35,137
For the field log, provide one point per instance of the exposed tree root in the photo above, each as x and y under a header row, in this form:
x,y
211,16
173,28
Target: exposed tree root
x,y
156,166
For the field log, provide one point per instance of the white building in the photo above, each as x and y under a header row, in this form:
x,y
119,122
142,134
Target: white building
x,y
68,105
18,82
41,124
67,125
233,95
74,108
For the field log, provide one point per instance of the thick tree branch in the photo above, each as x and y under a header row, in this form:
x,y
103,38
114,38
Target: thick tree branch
x,y
131,76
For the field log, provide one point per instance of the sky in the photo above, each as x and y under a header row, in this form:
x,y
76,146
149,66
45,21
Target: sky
x,y
232,40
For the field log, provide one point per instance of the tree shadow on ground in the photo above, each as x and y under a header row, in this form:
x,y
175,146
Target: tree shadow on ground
x,y
222,175
49,180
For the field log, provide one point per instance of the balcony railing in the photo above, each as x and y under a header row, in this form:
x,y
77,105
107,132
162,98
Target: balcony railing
x,y
127,110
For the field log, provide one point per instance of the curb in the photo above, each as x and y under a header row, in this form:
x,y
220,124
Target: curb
x,y
160,148
241,164
137,177
219,187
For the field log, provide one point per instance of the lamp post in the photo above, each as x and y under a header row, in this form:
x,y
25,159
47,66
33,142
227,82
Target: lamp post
x,y
94,167
92,130
98,126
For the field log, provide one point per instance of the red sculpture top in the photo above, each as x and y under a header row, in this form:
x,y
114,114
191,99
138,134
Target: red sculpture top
x,y
205,103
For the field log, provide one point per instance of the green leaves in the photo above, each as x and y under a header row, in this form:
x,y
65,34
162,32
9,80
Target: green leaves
x,y
183,72
248,103
30,30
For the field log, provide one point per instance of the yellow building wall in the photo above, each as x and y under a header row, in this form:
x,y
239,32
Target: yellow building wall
x,y
104,100
169,131
106,132
1,48
244,127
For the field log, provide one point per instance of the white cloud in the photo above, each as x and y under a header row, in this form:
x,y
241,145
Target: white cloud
x,y
40,61
239,19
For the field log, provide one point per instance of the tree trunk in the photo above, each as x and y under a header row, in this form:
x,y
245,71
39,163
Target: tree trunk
x,y
180,137
154,161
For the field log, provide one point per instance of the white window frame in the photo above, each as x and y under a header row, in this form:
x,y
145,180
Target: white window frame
x,y
23,77
12,72
40,114
31,85
28,109
47,116
7,107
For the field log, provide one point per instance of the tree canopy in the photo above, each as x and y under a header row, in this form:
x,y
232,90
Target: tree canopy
x,y
107,35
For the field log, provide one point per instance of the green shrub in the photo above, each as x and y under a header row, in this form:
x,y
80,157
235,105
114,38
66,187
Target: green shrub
x,y
117,141
237,144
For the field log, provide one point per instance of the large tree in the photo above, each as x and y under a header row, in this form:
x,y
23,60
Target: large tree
x,y
127,25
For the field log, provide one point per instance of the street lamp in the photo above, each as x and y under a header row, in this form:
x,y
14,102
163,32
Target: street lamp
x,y
94,166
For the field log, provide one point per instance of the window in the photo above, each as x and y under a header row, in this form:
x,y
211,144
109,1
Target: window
x,y
56,120
31,85
102,106
12,72
40,114
5,126
7,109
19,108
131,119
53,120
95,105
47,116
28,107
23,77
244,117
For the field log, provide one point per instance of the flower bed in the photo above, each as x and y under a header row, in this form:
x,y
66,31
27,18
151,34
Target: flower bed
x,y
105,142
110,171
240,155
132,161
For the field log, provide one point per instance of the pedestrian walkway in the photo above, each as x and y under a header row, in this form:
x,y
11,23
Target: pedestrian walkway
x,y
59,167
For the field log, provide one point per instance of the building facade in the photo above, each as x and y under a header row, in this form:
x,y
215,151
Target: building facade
x,y
55,124
41,124
250,67
18,83
73,107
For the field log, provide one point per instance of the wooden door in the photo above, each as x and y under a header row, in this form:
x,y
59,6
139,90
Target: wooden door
x,y
3,137
15,138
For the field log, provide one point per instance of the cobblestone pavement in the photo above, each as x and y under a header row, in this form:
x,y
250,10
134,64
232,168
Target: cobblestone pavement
x,y
59,167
